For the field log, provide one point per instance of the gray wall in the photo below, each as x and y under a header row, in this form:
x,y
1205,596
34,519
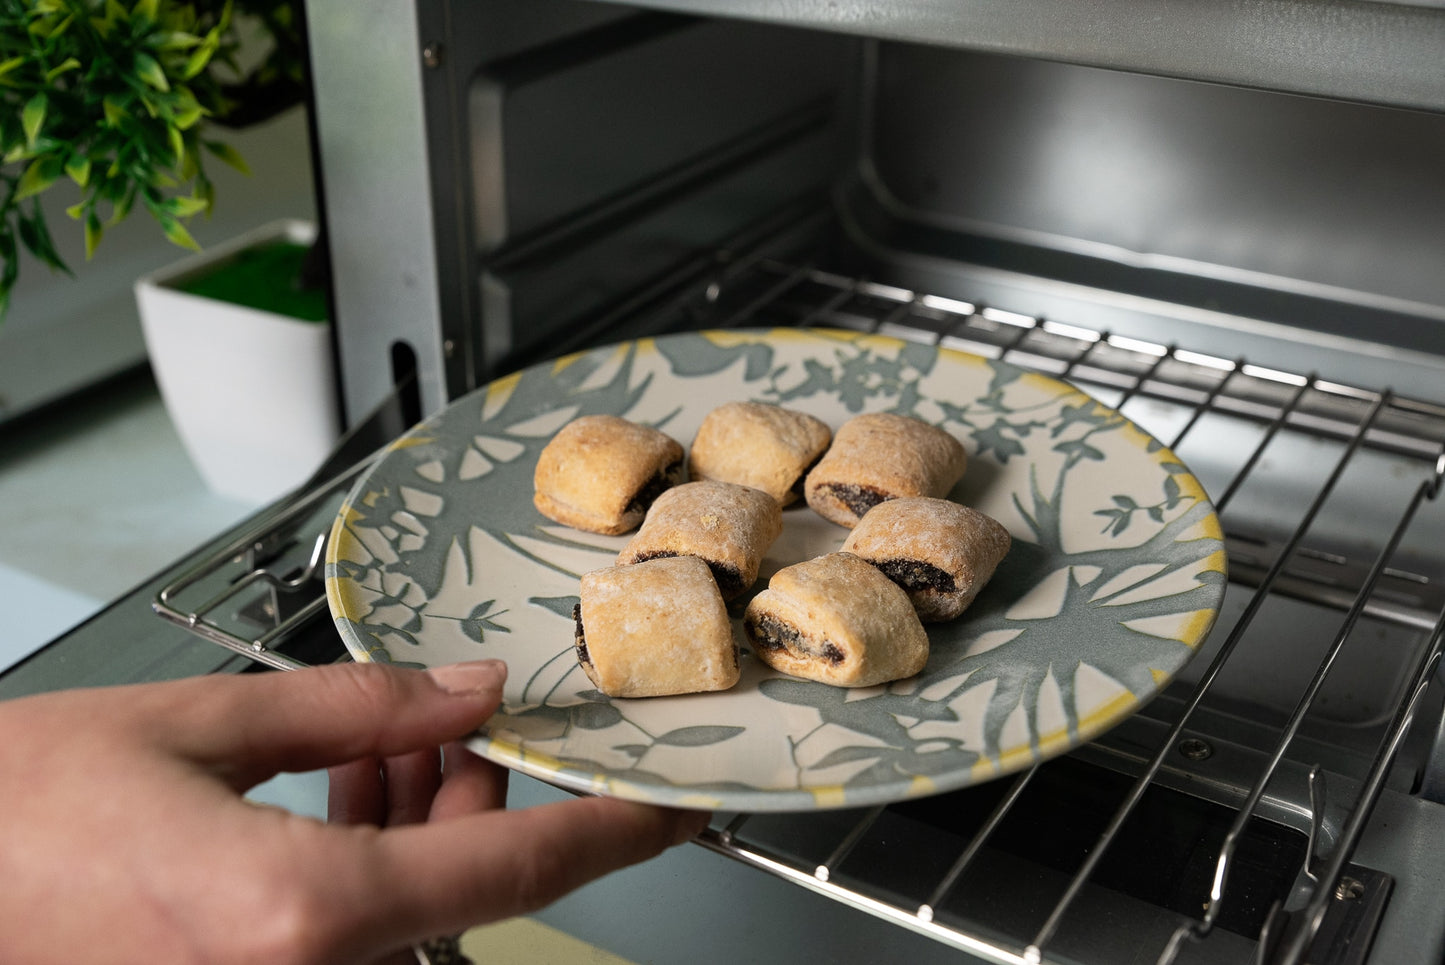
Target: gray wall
x,y
62,333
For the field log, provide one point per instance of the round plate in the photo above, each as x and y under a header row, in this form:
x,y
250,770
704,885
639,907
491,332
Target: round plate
x,y
1114,578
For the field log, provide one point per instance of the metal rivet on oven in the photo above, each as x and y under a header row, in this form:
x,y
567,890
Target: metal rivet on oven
x,y
1349,889
449,347
713,291
1195,749
431,55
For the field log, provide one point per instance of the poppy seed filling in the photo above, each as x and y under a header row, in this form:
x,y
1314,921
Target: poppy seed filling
x,y
729,578
916,575
643,499
770,633
580,636
857,498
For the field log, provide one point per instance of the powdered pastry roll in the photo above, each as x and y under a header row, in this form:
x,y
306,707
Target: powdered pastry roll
x,y
837,620
940,552
728,526
600,473
763,446
654,629
879,457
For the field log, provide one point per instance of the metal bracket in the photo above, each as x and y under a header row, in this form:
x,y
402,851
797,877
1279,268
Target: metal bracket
x,y
1348,928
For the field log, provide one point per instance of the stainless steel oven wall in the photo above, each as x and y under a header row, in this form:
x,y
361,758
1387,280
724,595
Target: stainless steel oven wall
x,y
1297,211
1365,50
390,83
607,159
500,175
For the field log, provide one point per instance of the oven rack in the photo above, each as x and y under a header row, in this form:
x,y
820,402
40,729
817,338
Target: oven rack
x,y
1119,369
1201,383
216,596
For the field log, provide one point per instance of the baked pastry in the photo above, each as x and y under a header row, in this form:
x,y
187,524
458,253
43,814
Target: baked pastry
x,y
878,457
940,552
838,620
601,473
763,446
654,629
727,526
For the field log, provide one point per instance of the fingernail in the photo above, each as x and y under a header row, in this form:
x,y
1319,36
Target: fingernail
x,y
471,678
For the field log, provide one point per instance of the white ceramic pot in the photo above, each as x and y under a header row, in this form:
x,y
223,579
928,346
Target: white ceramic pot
x,y
251,393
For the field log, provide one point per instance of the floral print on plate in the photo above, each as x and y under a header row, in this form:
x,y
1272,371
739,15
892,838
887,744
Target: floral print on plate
x,y
1115,576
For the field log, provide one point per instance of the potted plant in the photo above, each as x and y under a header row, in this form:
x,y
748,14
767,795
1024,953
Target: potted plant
x,y
123,106
244,362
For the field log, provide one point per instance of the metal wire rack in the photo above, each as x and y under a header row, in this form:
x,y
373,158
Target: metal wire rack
x,y
1347,428
254,594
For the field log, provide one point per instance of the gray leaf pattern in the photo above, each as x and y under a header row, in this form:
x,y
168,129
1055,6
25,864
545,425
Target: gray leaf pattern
x,y
1116,572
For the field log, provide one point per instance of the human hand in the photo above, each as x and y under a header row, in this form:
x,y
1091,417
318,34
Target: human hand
x,y
126,837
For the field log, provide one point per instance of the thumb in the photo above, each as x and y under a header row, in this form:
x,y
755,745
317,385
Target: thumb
x,y
254,726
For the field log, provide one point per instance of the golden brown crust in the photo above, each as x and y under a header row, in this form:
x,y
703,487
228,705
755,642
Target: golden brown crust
x,y
763,446
878,457
728,526
838,620
940,552
601,472
655,629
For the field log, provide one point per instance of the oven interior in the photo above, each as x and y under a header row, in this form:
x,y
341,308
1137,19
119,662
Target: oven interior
x,y
1252,276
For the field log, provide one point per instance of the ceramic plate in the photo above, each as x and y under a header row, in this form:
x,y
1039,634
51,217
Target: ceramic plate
x,y
1114,579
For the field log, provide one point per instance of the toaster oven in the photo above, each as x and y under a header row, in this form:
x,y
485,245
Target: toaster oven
x,y
1222,219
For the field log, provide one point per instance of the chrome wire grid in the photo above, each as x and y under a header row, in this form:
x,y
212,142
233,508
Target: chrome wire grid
x,y
254,593
1187,386
1119,369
